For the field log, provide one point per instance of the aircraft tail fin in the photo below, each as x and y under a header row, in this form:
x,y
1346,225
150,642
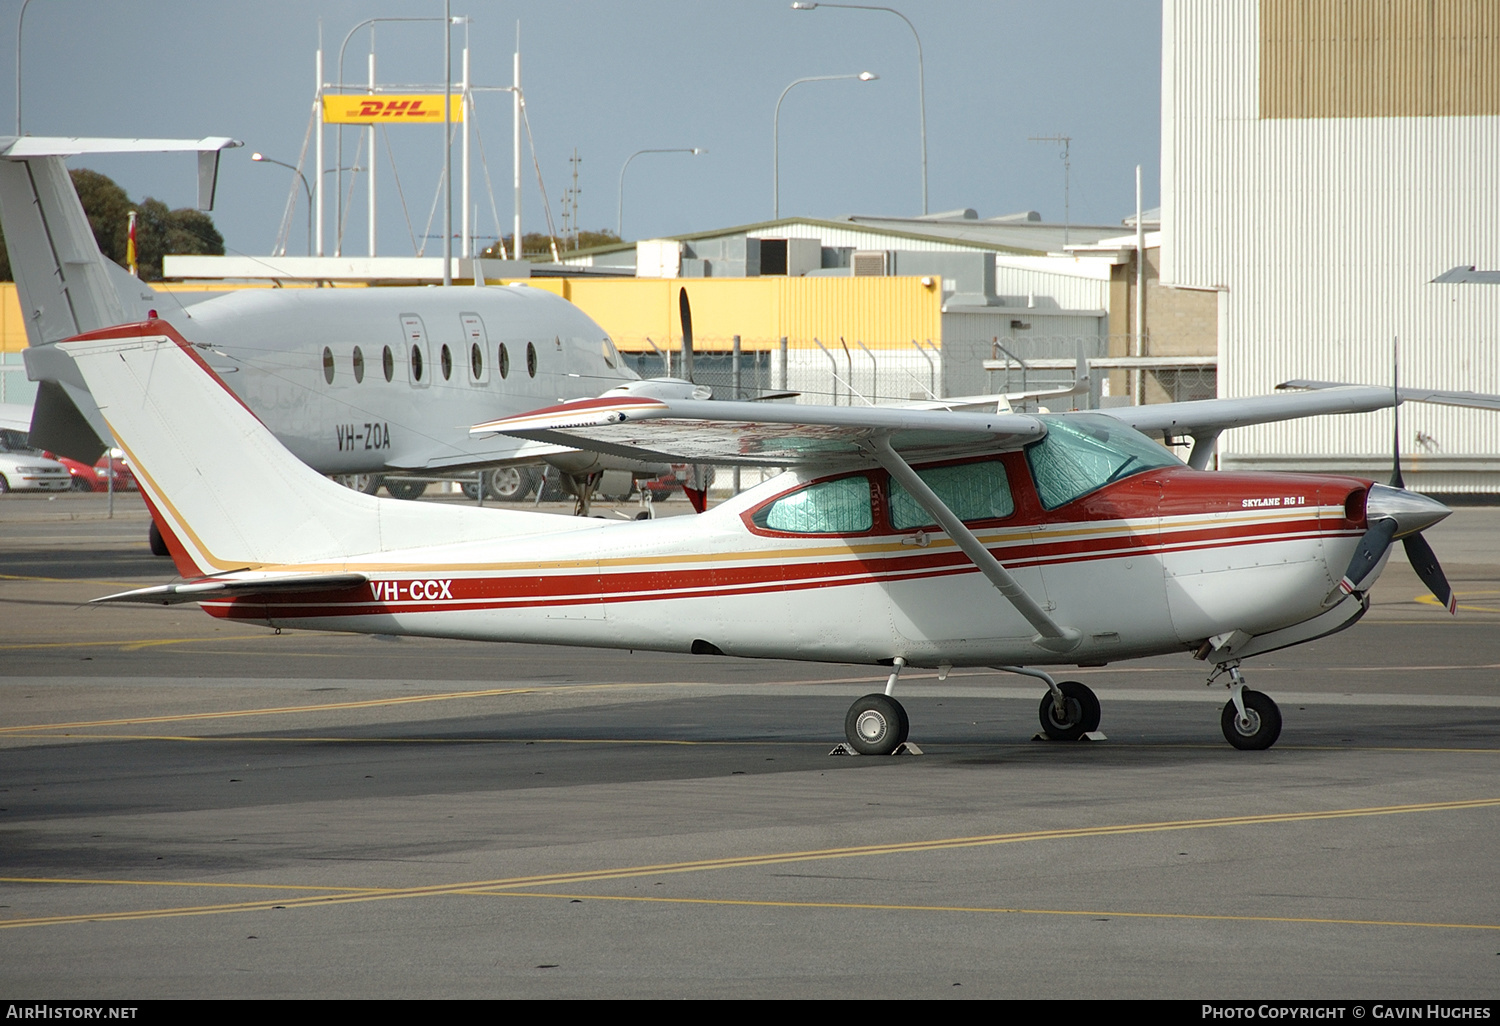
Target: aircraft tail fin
x,y
65,285
227,491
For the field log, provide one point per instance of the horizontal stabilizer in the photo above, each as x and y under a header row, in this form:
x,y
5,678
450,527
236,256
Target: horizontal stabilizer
x,y
73,146
215,588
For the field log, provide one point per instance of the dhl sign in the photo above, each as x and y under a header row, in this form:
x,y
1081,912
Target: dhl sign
x,y
389,108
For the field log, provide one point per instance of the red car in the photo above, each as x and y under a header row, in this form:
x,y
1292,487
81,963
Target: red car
x,y
96,478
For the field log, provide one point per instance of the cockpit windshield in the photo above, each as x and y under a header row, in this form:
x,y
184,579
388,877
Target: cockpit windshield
x,y
1083,452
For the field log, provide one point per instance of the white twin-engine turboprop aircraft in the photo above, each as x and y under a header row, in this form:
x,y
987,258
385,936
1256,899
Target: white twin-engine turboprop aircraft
x,y
898,537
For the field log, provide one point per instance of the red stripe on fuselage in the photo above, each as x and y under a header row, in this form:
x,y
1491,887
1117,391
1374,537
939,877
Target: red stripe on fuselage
x,y
588,589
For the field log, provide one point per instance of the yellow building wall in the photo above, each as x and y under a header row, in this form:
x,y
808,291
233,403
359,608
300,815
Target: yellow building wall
x,y
13,325
883,313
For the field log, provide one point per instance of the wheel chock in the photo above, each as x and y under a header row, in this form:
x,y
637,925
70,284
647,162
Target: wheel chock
x,y
904,748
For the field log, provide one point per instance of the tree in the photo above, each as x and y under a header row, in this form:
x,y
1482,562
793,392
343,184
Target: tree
x,y
159,231
108,210
538,245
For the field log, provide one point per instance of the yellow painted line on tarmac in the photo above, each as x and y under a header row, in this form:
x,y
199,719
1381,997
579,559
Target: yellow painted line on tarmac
x,y
66,580
485,887
986,910
235,739
1428,600
371,703
285,710
820,745
96,644
70,880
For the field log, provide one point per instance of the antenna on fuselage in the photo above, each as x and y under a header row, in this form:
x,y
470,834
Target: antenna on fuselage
x,y
1396,479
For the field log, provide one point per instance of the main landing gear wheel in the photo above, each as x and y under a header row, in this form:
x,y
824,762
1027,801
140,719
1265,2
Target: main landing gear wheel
x,y
510,484
1080,712
406,489
1259,729
876,725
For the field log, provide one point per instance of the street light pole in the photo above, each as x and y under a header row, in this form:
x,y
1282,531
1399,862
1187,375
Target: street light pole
x,y
620,202
863,76
448,143
20,22
261,157
921,73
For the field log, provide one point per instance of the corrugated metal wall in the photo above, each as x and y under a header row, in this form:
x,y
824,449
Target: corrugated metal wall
x,y
1326,233
1396,58
1070,291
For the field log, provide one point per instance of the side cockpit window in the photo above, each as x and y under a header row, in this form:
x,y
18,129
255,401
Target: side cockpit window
x,y
1084,452
840,506
973,491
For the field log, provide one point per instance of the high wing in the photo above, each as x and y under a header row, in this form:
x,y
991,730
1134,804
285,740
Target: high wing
x,y
1477,400
1202,420
667,428
675,430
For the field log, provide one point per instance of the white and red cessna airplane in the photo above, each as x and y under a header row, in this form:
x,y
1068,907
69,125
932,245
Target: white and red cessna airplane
x,y
898,537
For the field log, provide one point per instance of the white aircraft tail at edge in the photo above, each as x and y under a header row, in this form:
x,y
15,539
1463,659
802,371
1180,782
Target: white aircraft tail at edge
x,y
293,514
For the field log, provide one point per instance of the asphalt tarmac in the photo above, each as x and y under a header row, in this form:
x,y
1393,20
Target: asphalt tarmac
x,y
190,808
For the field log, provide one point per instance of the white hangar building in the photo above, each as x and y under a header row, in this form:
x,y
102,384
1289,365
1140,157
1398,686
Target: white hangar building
x,y
1323,161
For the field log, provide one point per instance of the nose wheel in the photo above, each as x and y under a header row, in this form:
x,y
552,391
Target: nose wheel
x,y
1257,727
876,725
1250,721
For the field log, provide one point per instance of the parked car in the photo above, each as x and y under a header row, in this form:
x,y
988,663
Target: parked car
x,y
96,478
25,469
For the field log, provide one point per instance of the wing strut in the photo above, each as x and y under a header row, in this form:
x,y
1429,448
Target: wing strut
x,y
1050,635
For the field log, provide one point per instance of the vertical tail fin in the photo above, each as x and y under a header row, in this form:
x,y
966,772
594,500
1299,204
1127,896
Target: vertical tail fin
x,y
65,285
230,495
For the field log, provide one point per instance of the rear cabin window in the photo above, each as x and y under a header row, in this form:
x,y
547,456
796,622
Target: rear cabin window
x,y
840,506
1084,452
973,491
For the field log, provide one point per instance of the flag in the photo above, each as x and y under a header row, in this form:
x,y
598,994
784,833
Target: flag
x,y
130,248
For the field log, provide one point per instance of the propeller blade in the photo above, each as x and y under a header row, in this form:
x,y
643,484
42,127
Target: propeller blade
x,y
1371,547
1424,562
686,313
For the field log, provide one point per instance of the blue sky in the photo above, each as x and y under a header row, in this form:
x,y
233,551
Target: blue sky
x,y
610,77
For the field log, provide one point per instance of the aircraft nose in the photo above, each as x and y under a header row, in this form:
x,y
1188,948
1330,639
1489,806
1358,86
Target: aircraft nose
x,y
1411,512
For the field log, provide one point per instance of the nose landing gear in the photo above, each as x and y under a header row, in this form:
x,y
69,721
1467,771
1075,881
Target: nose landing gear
x,y
1251,721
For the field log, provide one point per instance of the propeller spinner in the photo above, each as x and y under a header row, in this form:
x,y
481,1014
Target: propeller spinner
x,y
1397,513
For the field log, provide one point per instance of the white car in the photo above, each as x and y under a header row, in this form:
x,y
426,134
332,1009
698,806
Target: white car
x,y
25,469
